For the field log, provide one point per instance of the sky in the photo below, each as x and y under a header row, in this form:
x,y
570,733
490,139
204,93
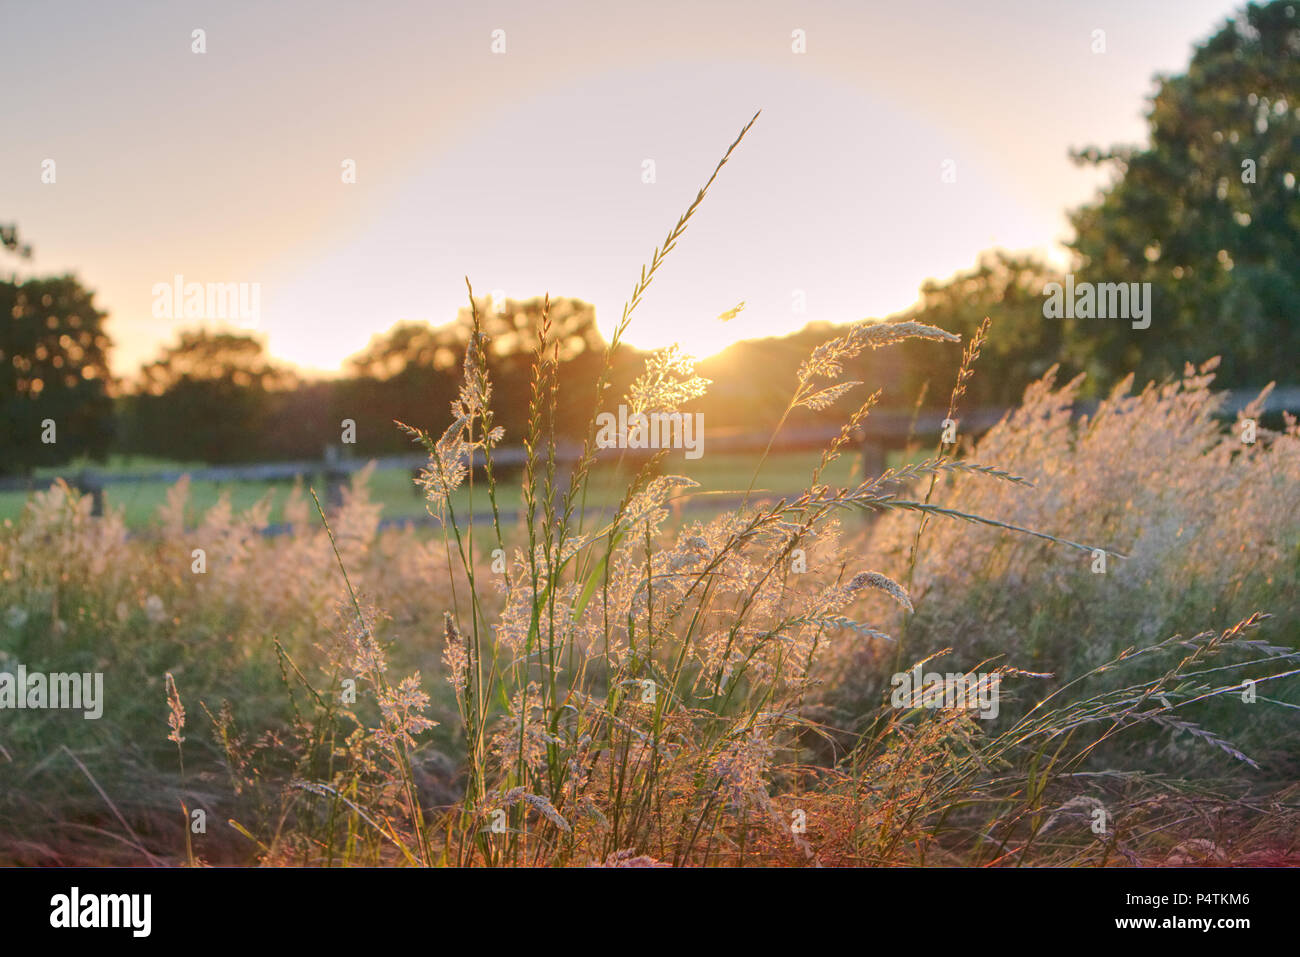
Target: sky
x,y
906,139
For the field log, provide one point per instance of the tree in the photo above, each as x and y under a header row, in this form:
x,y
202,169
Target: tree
x,y
412,371
1021,345
513,330
1207,213
207,398
511,327
54,377
10,241
407,345
203,356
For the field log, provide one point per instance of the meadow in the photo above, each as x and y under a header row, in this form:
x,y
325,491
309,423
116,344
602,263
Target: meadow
x,y
723,475
612,679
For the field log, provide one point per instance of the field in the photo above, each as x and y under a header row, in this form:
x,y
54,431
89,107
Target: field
x,y
707,688
395,491
1072,640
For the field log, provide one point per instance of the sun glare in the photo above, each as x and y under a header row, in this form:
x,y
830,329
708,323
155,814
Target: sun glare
x,y
700,338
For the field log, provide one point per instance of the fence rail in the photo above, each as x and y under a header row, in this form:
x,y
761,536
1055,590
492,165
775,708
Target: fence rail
x,y
883,430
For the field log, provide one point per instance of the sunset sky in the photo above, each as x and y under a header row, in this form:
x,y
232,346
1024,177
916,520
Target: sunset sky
x,y
523,170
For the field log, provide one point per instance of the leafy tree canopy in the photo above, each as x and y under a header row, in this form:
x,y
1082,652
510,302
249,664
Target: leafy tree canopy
x,y
53,369
1208,213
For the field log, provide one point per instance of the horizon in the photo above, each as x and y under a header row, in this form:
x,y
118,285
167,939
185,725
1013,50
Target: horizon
x,y
530,177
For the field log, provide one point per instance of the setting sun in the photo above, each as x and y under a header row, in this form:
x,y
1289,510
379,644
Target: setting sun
x,y
581,436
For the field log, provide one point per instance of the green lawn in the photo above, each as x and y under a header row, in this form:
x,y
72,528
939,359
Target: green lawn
x,y
784,473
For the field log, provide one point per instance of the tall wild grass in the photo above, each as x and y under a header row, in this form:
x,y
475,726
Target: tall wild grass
x,y
608,686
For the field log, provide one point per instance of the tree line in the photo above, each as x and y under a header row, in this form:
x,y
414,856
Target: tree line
x,y
1206,213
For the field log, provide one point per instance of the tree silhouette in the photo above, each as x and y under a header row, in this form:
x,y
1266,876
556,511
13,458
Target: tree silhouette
x,y
208,397
53,370
1208,213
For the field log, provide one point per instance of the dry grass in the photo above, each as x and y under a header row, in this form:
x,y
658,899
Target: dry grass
x,y
600,687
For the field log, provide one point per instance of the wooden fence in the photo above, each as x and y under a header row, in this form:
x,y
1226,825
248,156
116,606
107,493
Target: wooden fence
x,y
883,430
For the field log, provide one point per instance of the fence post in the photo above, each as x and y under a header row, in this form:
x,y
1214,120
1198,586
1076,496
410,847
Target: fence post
x,y
335,476
873,458
87,485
